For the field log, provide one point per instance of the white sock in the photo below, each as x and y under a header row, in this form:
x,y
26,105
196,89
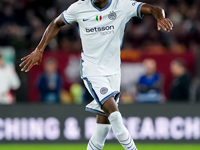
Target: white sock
x,y
121,132
98,138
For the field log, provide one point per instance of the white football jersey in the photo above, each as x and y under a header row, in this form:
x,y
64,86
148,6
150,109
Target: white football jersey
x,y
101,32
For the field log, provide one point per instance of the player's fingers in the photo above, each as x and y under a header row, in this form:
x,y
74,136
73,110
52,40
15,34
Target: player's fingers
x,y
163,27
167,25
37,63
25,57
171,24
29,68
159,27
26,65
24,62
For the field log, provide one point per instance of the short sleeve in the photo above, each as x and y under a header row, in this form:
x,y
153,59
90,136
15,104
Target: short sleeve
x,y
69,15
133,8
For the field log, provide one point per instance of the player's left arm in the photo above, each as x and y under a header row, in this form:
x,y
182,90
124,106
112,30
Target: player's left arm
x,y
159,14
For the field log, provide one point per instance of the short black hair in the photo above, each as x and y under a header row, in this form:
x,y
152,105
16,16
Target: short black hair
x,y
180,62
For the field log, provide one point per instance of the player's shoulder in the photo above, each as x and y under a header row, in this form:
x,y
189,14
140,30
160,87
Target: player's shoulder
x,y
82,2
126,2
129,1
78,5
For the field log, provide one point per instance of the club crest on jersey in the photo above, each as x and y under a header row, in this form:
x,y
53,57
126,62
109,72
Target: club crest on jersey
x,y
104,90
112,15
133,3
98,18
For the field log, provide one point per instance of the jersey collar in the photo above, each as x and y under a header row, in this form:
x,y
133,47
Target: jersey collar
x,y
109,3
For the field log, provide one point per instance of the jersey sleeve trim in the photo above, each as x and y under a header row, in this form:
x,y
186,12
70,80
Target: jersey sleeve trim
x,y
65,21
139,15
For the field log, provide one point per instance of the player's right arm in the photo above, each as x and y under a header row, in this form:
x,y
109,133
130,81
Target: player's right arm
x,y
36,56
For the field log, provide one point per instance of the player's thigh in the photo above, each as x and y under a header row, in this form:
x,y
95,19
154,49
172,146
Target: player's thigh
x,y
115,82
110,106
99,88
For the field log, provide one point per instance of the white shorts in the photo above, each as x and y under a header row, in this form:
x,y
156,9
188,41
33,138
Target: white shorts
x,y
102,88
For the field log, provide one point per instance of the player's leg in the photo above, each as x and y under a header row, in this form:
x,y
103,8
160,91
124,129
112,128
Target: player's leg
x,y
103,126
120,131
104,98
98,138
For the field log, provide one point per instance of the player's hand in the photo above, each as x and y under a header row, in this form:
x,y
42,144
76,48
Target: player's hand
x,y
165,24
29,61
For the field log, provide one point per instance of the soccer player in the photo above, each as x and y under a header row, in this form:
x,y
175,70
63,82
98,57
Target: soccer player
x,y
101,27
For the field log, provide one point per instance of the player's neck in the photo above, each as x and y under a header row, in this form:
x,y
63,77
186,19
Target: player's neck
x,y
101,3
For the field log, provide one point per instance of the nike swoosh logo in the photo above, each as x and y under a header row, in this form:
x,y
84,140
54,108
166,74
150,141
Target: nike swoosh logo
x,y
85,19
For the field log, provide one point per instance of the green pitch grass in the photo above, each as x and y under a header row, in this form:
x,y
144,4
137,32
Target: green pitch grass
x,y
107,147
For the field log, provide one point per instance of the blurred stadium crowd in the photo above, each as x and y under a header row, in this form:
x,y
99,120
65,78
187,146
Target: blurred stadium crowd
x,y
23,22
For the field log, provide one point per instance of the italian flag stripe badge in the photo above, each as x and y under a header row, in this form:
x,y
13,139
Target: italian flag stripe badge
x,y
98,18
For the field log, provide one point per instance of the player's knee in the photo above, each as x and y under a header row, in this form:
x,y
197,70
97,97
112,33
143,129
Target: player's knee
x,y
102,119
110,106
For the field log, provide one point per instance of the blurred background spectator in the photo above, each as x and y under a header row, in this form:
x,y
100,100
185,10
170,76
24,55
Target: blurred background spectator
x,y
198,93
8,81
23,23
195,90
180,87
50,83
150,85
